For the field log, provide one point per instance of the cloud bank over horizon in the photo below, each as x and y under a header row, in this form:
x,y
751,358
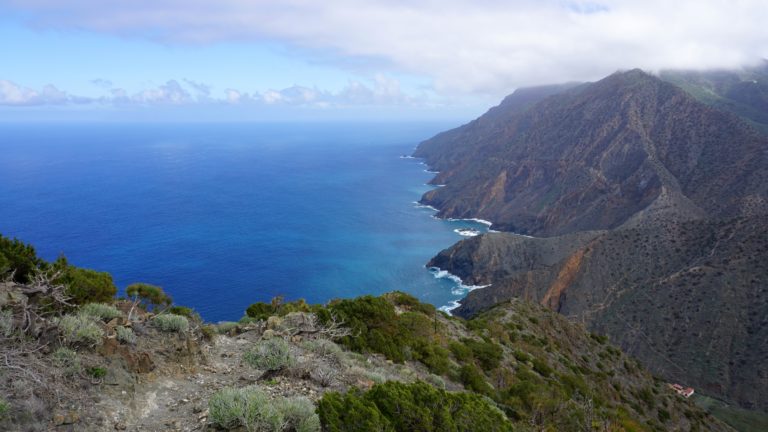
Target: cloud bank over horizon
x,y
485,46
383,91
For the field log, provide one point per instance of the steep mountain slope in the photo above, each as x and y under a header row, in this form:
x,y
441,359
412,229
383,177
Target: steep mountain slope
x,y
593,156
653,212
688,299
743,92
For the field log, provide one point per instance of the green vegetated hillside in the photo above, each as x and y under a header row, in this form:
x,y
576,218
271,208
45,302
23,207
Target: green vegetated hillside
x,y
386,363
650,211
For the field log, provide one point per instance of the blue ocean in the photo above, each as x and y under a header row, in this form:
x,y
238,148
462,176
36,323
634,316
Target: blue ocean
x,y
223,215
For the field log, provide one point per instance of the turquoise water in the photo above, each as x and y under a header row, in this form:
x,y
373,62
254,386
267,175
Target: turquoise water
x,y
222,215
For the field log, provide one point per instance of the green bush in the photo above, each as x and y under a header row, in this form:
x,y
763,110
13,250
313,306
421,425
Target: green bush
x,y
20,259
262,311
487,353
125,334
395,406
100,311
270,355
152,297
522,356
85,285
410,302
460,351
542,367
434,357
374,325
171,323
80,330
251,408
184,311
96,372
474,380
67,361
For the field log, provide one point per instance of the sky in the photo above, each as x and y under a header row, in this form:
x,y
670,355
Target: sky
x,y
343,59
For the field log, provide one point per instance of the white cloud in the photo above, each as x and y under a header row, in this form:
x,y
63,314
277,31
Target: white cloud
x,y
169,93
13,94
475,46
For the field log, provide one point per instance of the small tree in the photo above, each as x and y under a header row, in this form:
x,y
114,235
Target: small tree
x,y
151,297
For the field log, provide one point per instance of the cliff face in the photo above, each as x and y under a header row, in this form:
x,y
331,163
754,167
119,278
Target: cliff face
x,y
653,212
687,299
592,156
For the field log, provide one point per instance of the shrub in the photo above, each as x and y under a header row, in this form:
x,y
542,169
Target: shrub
x,y
80,329
19,258
323,375
251,408
664,415
488,354
183,311
225,408
6,323
125,334
270,354
96,372
474,380
208,331
171,323
100,311
434,357
151,297
400,298
436,381
395,406
375,325
350,412
325,348
260,311
299,414
85,285
460,351
601,339
225,327
5,407
542,367
67,361
522,356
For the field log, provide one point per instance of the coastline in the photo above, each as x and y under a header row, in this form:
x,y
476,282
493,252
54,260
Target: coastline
x,y
460,289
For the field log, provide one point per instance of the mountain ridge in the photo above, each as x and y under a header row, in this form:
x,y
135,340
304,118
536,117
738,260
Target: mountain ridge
x,y
649,210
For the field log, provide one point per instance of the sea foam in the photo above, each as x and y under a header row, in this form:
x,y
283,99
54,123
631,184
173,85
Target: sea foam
x,y
461,288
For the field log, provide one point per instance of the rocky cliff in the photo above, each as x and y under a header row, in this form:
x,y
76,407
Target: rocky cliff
x,y
650,207
595,155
